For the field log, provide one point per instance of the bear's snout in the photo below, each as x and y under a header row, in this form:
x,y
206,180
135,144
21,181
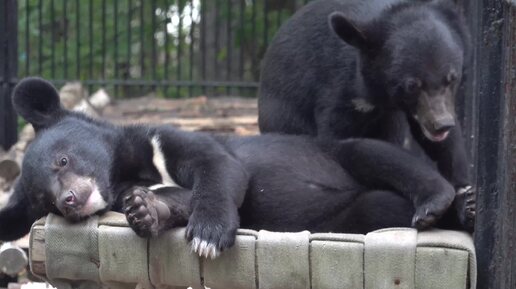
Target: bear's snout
x,y
435,113
69,199
444,125
74,201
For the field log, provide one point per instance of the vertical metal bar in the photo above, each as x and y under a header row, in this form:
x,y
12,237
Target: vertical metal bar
x,y
217,36
467,102
104,39
4,81
127,71
12,51
254,42
167,48
241,44
65,39
27,38
203,43
142,47
229,49
192,43
115,56
78,38
8,70
265,24
154,60
179,45
52,40
40,38
90,25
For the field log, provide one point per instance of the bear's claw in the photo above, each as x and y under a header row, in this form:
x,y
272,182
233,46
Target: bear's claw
x,y
210,233
465,204
204,249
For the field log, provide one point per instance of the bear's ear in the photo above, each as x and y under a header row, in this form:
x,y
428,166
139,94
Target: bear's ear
x,y
349,31
37,101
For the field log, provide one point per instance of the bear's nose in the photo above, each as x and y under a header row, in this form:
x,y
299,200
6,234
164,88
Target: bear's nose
x,y
69,199
443,129
444,125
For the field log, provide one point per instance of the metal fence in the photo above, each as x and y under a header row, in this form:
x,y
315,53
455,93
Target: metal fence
x,y
176,48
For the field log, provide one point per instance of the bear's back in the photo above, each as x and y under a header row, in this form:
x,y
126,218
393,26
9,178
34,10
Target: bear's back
x,y
305,59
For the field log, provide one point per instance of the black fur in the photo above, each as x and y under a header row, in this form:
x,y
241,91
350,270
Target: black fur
x,y
284,183
383,69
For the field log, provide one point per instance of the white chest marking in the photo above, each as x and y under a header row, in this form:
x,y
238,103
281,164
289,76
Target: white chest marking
x,y
159,186
158,159
94,203
407,143
362,105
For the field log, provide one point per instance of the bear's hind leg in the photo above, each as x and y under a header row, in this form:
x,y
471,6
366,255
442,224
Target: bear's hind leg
x,y
380,165
374,210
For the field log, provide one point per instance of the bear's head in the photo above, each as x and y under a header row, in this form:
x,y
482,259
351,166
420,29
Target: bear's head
x,y
412,57
67,168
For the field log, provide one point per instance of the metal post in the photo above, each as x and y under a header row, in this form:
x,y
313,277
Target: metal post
x,y
8,70
495,91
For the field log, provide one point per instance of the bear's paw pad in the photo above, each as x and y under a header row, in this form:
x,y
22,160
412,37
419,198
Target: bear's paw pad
x,y
143,211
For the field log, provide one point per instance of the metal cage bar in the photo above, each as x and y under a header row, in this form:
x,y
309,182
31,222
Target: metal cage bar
x,y
155,44
8,70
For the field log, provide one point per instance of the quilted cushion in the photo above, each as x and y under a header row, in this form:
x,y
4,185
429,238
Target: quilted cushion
x,y
104,252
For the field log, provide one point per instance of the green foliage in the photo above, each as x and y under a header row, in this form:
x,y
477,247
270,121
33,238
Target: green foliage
x,y
21,123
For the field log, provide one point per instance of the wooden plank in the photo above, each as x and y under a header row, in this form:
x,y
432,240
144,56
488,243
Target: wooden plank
x,y
495,84
37,251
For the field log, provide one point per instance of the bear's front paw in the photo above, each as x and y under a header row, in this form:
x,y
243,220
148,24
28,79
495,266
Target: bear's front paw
x,y
465,204
144,212
432,209
211,232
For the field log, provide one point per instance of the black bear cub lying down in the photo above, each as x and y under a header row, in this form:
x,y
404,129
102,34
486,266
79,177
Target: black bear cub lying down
x,y
161,177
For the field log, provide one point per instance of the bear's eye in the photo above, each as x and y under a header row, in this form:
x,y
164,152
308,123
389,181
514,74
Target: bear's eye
x,y
62,162
451,77
412,85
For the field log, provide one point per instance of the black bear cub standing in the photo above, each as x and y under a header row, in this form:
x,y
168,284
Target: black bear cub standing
x,y
383,69
161,178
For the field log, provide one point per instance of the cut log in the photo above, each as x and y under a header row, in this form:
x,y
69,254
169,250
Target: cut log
x,y
37,251
13,259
